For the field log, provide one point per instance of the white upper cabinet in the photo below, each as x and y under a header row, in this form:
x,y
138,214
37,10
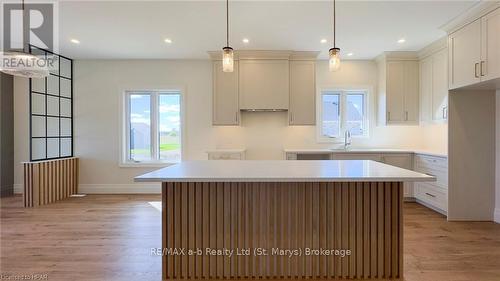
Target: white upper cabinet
x,y
434,86
399,91
490,53
426,89
264,84
302,109
465,55
225,109
474,51
440,85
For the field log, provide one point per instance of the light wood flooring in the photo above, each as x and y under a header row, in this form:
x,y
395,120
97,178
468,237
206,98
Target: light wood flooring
x,y
109,237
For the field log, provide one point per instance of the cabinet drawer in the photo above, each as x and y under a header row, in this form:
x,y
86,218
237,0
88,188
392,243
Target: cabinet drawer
x,y
441,176
432,195
224,156
431,163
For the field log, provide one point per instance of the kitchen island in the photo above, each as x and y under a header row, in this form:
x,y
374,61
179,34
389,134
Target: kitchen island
x,y
282,219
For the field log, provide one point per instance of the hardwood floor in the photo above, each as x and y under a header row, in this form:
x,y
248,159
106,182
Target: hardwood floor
x,y
109,237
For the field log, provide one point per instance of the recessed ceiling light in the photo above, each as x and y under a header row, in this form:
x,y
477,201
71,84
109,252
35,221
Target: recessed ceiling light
x,y
168,40
323,41
401,41
349,54
75,41
245,40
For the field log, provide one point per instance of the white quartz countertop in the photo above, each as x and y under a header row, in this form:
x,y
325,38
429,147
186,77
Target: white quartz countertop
x,y
365,150
283,171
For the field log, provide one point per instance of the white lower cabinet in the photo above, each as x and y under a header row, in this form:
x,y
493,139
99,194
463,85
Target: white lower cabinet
x,y
432,194
401,160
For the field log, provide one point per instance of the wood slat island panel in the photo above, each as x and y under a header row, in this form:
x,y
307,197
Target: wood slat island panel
x,y
363,217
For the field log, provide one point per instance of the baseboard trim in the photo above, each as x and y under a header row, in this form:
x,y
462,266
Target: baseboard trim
x,y
497,215
139,188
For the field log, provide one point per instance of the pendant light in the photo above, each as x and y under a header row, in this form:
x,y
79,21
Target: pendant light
x,y
23,63
227,52
334,53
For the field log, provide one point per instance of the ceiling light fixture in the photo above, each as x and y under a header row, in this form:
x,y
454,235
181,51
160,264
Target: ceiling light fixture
x,y
23,63
245,40
323,41
350,54
75,41
334,61
227,52
401,41
168,40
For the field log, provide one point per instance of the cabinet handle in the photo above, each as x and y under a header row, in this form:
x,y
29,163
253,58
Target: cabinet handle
x,y
475,70
236,117
431,195
406,115
445,112
482,64
388,116
291,117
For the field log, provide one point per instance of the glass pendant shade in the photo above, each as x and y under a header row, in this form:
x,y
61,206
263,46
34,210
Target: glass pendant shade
x,y
227,59
23,65
334,61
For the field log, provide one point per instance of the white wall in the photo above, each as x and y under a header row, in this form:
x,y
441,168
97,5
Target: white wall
x,y
98,85
497,148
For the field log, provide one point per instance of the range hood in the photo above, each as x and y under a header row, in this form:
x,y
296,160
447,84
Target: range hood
x,y
264,110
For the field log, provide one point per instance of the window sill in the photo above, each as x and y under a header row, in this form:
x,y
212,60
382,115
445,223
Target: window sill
x,y
146,164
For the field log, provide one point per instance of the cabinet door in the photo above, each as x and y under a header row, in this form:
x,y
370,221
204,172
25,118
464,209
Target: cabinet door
x,y
440,85
302,93
402,161
225,96
464,55
264,84
356,156
395,91
399,160
490,55
410,113
426,89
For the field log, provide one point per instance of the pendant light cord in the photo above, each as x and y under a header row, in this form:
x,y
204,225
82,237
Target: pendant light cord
x,y
334,25
227,23
25,29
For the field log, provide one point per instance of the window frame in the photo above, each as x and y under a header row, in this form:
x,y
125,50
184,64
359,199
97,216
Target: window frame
x,y
343,91
154,94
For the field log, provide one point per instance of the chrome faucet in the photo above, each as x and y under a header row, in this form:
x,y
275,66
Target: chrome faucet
x,y
347,138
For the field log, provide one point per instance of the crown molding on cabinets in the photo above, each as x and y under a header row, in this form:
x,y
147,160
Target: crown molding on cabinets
x,y
433,48
267,54
397,56
479,9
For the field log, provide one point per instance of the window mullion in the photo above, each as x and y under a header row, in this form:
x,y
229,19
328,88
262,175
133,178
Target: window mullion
x,y
154,126
343,111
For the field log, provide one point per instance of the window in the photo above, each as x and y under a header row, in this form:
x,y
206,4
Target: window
x,y
153,126
342,110
51,110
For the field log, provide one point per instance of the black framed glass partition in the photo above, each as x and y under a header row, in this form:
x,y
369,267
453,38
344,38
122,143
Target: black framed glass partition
x,y
51,110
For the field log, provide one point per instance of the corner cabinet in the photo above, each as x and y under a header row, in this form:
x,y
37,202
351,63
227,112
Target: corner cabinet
x,y
474,51
225,110
434,87
399,90
302,109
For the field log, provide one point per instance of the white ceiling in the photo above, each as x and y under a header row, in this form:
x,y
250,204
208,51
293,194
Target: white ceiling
x,y
137,29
